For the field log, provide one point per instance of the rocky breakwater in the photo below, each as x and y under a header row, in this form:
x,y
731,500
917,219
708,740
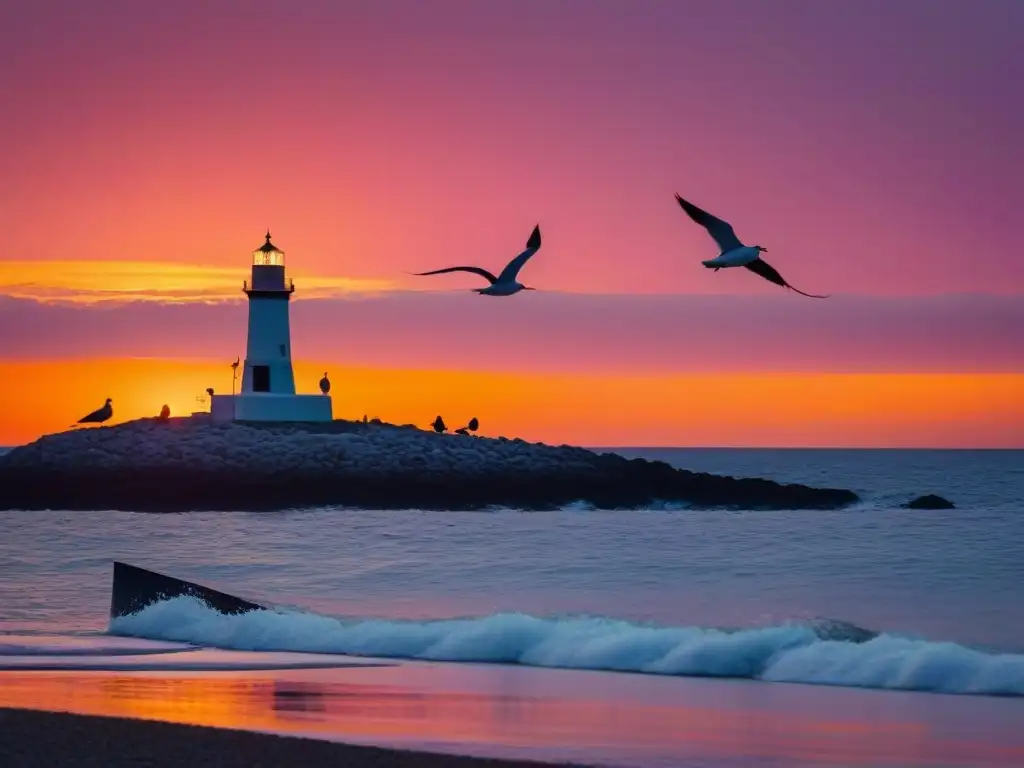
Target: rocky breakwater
x,y
189,464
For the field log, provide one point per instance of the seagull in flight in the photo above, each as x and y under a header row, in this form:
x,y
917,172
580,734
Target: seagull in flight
x,y
504,284
735,253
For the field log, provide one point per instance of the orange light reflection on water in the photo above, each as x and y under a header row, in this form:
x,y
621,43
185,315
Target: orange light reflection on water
x,y
394,705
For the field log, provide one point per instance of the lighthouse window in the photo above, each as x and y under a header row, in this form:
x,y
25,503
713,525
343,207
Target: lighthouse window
x,y
265,259
261,378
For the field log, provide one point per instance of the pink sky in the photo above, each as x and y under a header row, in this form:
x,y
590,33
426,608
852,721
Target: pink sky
x,y
873,147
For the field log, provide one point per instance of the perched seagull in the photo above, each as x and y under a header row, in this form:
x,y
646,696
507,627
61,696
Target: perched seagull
x,y
99,415
325,384
734,253
439,425
473,426
504,284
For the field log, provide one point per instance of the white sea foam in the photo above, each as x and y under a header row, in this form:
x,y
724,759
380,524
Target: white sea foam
x,y
790,653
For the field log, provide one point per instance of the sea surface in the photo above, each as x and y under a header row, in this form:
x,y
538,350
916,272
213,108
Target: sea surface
x,y
676,597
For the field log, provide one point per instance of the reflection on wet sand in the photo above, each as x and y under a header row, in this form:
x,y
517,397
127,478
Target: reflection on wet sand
x,y
299,697
486,710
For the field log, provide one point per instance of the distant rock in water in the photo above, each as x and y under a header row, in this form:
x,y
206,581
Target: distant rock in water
x,y
189,463
930,501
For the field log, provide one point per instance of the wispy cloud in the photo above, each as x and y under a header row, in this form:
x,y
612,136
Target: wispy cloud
x,y
94,282
543,331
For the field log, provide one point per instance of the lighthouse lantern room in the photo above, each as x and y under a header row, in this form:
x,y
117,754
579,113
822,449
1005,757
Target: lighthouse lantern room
x,y
268,381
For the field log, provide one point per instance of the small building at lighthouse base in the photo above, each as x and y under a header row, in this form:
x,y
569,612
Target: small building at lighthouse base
x,y
269,406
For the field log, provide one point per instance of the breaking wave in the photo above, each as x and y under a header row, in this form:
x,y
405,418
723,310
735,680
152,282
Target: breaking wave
x,y
797,653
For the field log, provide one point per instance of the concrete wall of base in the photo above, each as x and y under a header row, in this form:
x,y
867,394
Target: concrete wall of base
x,y
270,407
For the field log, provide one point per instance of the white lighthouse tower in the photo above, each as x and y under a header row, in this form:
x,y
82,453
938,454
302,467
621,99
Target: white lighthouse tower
x,y
268,351
268,382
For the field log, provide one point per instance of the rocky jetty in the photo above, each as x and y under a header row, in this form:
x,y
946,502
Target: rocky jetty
x,y
191,464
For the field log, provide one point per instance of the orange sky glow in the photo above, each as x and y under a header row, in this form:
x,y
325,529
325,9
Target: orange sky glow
x,y
89,282
828,410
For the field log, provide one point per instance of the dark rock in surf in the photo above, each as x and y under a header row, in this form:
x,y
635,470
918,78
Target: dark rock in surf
x,y
930,501
135,588
841,631
188,464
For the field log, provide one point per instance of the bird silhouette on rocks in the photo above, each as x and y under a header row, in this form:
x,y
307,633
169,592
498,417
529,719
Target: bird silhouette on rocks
x,y
473,426
99,415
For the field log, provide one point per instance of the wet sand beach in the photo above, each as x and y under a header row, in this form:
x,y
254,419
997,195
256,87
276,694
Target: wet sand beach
x,y
31,738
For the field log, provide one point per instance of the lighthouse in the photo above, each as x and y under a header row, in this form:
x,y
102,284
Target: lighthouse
x,y
268,381
268,349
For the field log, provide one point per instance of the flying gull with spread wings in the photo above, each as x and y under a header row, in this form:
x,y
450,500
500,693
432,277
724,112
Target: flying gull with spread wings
x,y
506,283
734,252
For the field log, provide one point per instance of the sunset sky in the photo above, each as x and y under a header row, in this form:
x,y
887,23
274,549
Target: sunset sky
x,y
873,146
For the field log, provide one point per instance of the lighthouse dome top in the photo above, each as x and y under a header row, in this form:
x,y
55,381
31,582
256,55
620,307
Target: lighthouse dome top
x,y
268,255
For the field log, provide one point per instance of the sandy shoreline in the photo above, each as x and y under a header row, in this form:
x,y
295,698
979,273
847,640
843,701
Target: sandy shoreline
x,y
31,738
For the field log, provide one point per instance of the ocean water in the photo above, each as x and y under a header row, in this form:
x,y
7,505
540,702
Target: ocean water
x,y
640,591
496,632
